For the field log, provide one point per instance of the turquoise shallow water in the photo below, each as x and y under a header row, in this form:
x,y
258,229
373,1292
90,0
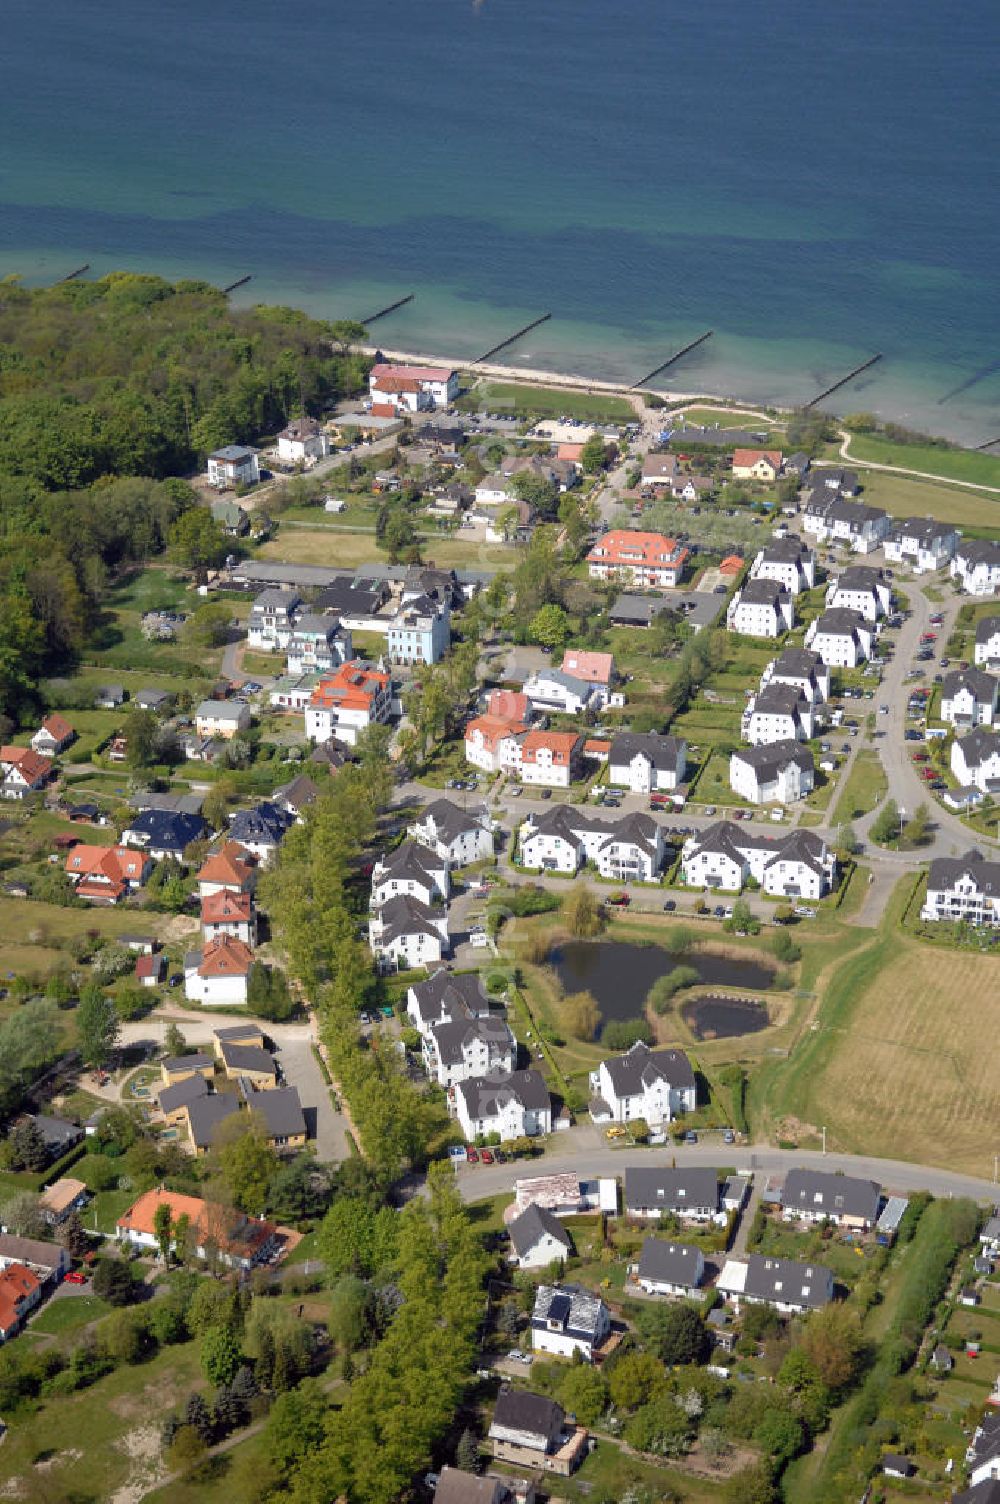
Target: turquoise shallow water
x,y
813,182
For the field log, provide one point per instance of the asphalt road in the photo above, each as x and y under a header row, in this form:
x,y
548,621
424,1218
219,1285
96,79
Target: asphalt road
x,y
585,1152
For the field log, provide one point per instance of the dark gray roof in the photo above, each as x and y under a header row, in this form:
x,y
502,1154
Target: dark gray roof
x,y
247,1057
945,872
787,1281
57,1132
790,550
457,1487
662,751
924,529
639,610
669,1262
639,1066
535,1414
281,1111
859,577
577,1310
237,1032
799,662
179,1095
838,622
531,1226
987,1492
452,1038
760,592
979,551
168,831
406,915
769,760
196,1061
985,1444
840,1195
800,846
980,745
987,627
447,995
670,1189
449,820
780,699
409,862
297,794
483,1093
981,685
265,824
206,1113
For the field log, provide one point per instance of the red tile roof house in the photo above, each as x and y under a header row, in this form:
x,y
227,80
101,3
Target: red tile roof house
x,y
643,559
106,874
53,735
242,1242
756,464
20,1292
219,975
24,771
592,668
493,743
150,971
410,388
509,705
231,869
228,913
550,758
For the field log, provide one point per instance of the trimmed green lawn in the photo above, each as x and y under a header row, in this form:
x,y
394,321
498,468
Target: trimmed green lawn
x,y
243,1472
865,788
907,496
544,402
69,1314
956,464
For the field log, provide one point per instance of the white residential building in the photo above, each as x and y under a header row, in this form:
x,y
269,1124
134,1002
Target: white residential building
x,y
656,1191
860,589
347,701
921,541
456,835
412,389
563,838
975,760
779,773
466,1047
538,1238
222,718
988,642
965,889
646,762
670,1268
549,759
763,608
513,1105
656,1086
551,690
819,1196
796,865
843,639
303,442
318,645
804,670
444,998
778,713
234,465
272,619
568,1319
831,518
969,698
406,933
411,869
789,1287
976,565
789,562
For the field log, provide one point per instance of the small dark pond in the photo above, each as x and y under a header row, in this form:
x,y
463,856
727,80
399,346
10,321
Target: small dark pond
x,y
724,1017
619,975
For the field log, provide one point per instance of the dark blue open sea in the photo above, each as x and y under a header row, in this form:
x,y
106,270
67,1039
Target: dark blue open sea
x,y
813,181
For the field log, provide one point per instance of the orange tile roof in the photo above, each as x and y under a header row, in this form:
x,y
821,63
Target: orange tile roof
x,y
732,564
624,546
141,1215
58,727
226,957
508,704
17,1284
352,686
29,763
561,744
593,668
744,458
411,373
595,747
569,452
232,864
493,729
226,908
118,864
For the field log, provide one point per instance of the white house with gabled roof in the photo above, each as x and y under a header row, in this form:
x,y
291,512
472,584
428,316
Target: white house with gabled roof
x,y
654,1085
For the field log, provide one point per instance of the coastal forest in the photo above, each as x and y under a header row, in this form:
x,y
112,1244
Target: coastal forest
x,y
109,392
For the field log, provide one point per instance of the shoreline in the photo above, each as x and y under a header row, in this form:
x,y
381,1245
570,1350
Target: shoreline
x,y
570,381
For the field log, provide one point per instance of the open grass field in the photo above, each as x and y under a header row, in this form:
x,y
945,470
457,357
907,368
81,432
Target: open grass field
x,y
30,933
69,1314
865,788
240,1473
956,464
544,402
345,550
726,417
905,496
896,1065
103,1438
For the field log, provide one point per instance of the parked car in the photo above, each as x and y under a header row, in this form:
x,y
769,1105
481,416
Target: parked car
x,y
690,1137
729,1137
75,1277
619,900
486,1155
472,1155
669,906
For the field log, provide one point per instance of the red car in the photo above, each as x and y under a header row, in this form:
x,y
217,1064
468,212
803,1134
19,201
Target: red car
x,y
472,1155
928,637
927,773
74,1277
486,1157
619,900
